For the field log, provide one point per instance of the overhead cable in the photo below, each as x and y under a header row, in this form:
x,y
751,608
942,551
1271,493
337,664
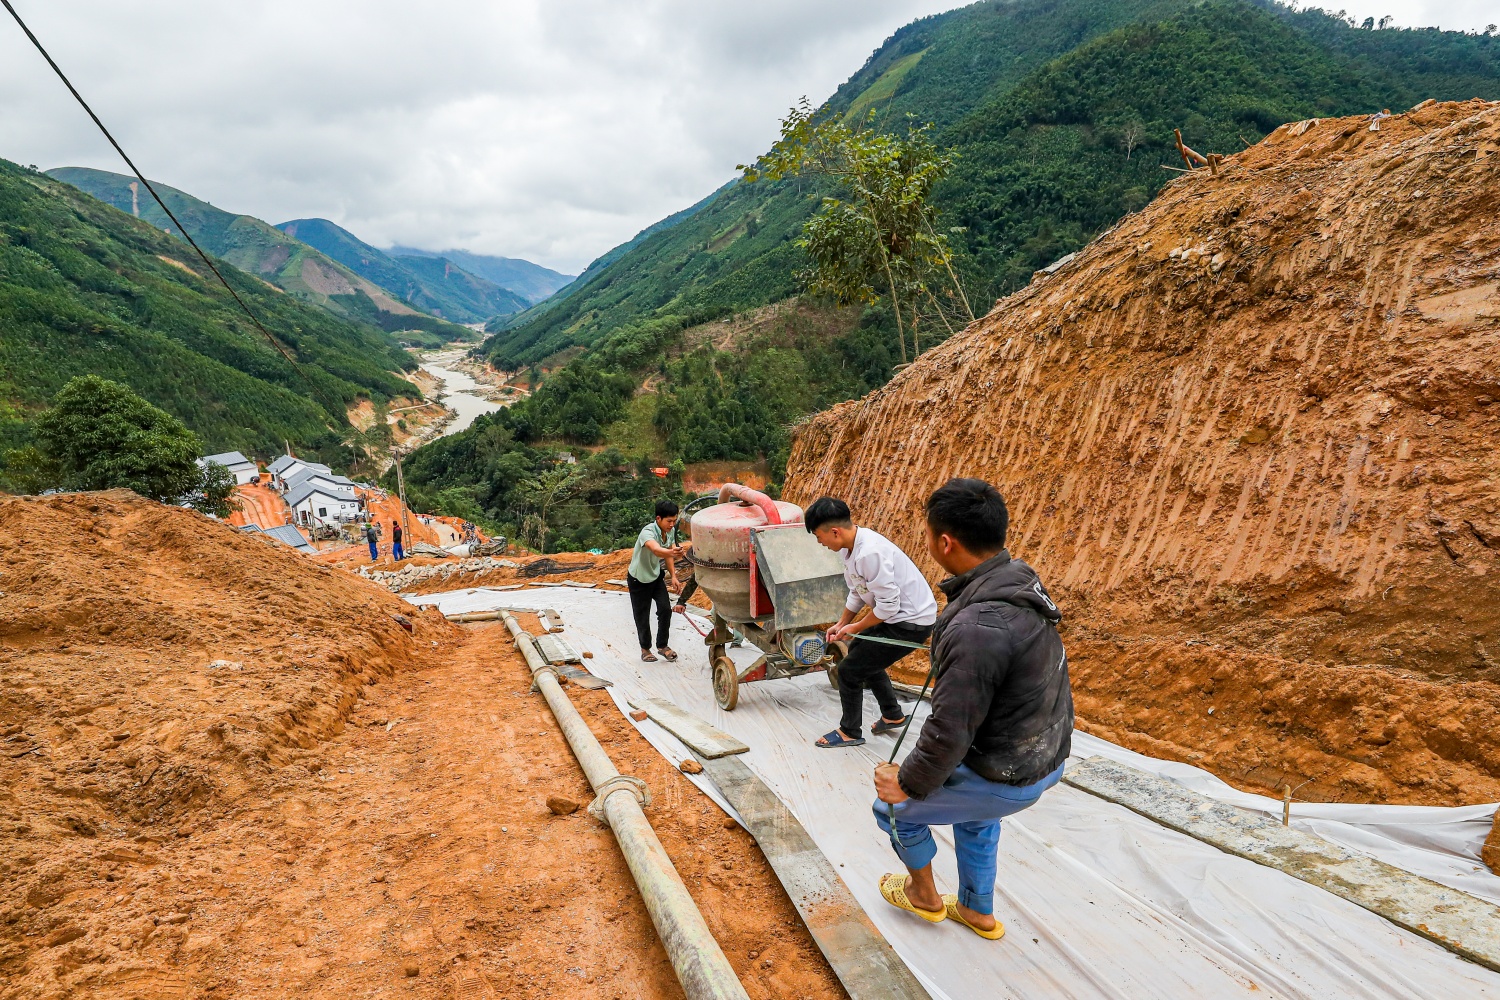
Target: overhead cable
x,y
142,178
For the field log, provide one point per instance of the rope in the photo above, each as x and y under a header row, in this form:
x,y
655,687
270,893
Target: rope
x,y
142,178
891,806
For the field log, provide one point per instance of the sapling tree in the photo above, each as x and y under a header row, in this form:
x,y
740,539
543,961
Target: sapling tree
x,y
879,236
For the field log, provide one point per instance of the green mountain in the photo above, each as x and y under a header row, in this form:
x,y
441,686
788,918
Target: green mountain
x,y
434,285
1035,96
532,282
1061,113
87,288
246,242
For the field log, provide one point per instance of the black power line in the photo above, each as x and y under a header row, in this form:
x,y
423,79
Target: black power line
x,y
142,177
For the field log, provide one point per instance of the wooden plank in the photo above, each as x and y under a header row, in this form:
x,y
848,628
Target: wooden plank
x,y
557,650
583,678
1464,924
860,955
553,619
697,734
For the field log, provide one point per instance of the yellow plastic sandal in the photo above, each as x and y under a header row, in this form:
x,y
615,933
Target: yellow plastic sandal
x,y
893,888
950,909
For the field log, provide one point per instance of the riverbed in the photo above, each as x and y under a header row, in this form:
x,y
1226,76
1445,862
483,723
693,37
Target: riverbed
x,y
458,392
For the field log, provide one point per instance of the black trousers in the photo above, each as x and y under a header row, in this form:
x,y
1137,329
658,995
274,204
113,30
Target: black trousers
x,y
865,667
641,597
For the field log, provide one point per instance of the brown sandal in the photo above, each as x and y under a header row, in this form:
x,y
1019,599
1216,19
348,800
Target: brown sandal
x,y
666,651
647,656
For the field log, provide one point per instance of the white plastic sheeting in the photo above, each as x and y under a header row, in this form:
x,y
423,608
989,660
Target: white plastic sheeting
x,y
1097,901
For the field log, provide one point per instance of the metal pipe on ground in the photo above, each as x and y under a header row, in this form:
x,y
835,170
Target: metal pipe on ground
x,y
700,964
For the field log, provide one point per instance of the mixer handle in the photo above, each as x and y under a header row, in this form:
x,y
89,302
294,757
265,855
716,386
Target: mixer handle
x,y
745,494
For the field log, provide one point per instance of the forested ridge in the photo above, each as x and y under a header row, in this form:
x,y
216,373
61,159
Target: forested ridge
x,y
88,289
1060,113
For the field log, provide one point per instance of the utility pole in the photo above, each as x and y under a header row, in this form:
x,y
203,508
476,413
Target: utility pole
x,y
401,493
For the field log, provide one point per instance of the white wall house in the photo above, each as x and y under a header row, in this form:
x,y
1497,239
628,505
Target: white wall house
x,y
312,504
287,467
243,469
331,481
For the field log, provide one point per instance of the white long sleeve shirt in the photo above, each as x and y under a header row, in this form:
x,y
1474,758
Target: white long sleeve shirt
x,y
881,576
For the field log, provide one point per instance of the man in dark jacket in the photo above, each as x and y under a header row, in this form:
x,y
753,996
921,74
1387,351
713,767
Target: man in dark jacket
x,y
1002,712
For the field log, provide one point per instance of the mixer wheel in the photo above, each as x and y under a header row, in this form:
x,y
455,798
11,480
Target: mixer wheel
x,y
833,673
726,683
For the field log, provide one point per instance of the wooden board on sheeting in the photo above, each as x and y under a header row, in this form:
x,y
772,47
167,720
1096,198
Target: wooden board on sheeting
x,y
860,955
697,734
1464,924
555,649
583,678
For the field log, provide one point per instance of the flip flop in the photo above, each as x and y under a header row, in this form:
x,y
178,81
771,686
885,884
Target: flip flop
x,y
667,654
882,726
950,907
647,656
893,888
835,739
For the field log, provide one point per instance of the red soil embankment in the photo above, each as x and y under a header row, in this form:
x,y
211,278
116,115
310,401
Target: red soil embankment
x,y
1248,438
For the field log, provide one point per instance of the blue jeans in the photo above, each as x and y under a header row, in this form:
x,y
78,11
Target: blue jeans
x,y
396,551
374,553
974,807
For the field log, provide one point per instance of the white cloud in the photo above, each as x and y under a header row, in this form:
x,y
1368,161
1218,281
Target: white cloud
x,y
545,129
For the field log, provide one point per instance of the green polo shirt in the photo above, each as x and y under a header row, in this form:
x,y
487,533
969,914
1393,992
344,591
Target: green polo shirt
x,y
645,565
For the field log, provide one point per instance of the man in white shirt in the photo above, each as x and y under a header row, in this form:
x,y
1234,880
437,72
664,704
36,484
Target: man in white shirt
x,y
883,579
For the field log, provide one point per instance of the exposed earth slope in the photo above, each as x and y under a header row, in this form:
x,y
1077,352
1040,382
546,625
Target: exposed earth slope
x,y
227,771
1248,438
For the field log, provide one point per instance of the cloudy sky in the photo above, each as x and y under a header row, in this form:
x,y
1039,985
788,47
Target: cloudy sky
x,y
545,129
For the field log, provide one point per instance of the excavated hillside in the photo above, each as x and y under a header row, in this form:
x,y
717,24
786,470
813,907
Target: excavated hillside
x,y
228,771
1248,437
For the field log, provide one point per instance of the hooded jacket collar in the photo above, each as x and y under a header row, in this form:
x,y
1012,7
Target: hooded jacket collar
x,y
1003,580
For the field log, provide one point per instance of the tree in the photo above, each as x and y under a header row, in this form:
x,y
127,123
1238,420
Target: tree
x,y
1131,135
883,236
215,493
543,493
103,436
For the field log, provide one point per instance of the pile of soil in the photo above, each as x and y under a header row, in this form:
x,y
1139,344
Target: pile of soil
x,y
1248,439
228,771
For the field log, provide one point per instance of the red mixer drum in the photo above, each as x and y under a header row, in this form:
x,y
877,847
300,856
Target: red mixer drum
x,y
721,545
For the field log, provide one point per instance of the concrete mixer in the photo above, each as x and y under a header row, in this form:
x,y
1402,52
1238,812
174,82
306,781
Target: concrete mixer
x,y
772,581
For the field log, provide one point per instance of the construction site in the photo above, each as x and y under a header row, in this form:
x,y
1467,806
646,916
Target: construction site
x,y
1246,437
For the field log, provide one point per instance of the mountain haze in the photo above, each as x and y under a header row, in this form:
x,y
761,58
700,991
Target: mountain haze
x,y
434,285
532,282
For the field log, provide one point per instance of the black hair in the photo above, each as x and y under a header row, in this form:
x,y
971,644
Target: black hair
x,y
827,510
666,508
972,511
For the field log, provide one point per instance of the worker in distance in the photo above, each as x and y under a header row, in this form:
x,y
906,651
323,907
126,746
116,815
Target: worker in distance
x,y
652,564
898,604
1001,724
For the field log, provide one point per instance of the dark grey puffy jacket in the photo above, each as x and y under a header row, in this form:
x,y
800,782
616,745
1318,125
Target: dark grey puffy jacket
x,y
1001,703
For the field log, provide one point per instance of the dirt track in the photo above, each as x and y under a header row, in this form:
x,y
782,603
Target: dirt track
x,y
229,772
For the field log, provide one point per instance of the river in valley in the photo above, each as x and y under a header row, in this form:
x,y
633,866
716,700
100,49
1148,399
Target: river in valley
x,y
458,392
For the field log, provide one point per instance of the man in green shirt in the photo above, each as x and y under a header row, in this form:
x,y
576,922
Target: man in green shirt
x,y
652,563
